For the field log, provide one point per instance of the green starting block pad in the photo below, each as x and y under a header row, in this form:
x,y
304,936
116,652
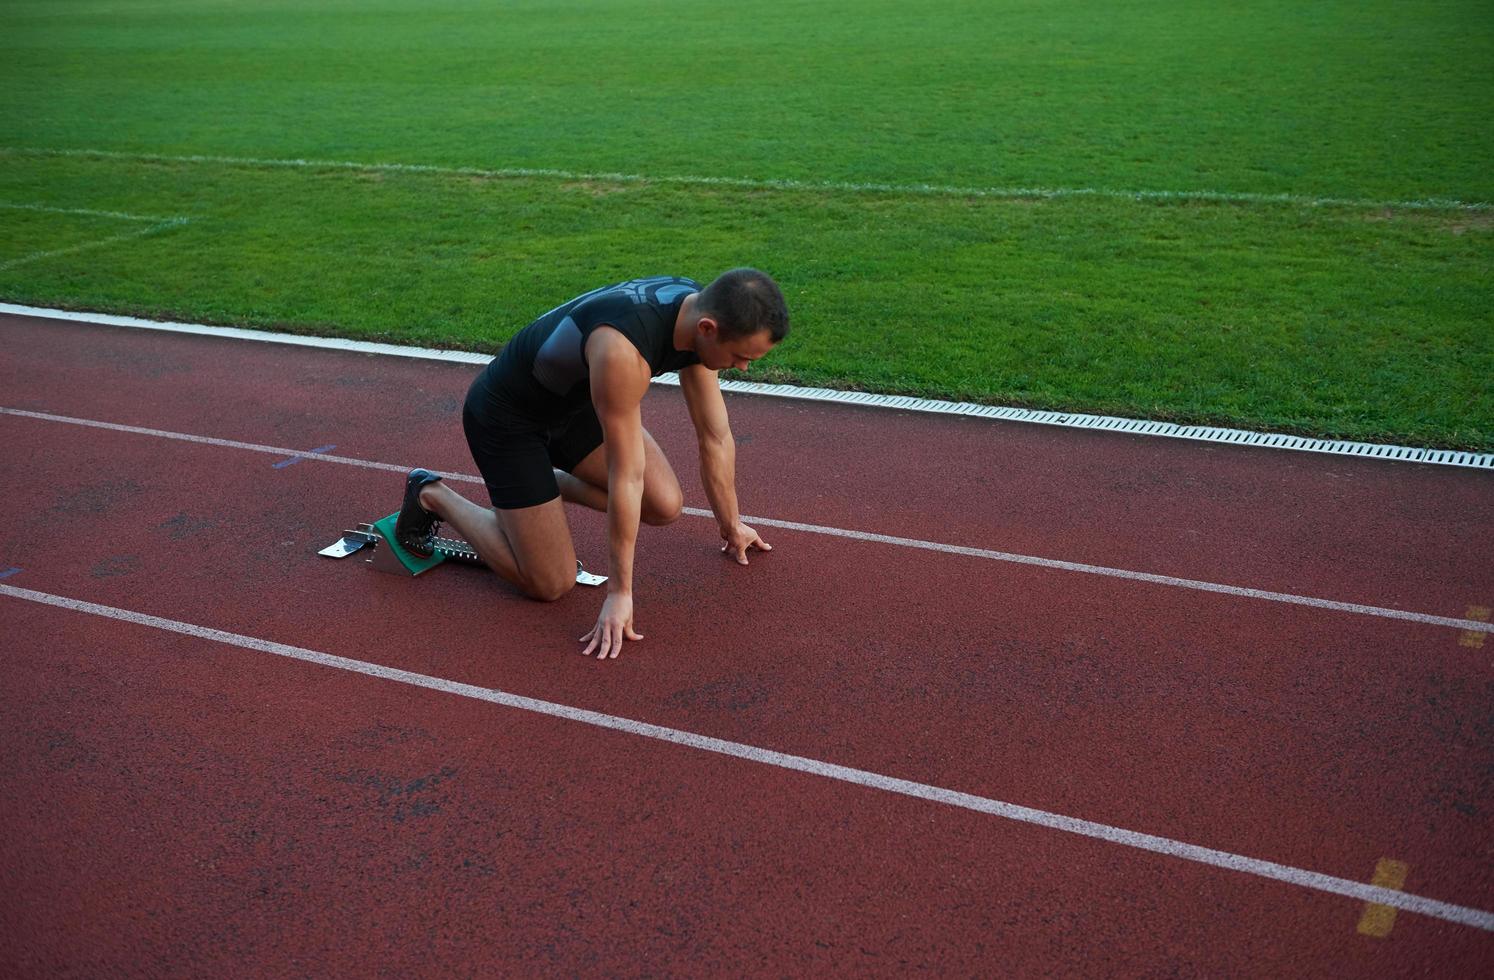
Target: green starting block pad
x,y
409,562
387,556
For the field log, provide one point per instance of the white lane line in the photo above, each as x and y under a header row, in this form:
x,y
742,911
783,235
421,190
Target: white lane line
x,y
1069,566
253,447
905,403
950,549
1317,881
750,183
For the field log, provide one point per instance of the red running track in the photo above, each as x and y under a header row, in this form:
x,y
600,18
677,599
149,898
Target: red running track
x,y
176,805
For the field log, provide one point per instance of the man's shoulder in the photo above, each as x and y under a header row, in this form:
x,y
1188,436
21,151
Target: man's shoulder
x,y
617,367
639,308
655,291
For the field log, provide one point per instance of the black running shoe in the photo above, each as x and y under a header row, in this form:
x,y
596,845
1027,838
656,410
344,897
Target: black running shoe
x,y
415,528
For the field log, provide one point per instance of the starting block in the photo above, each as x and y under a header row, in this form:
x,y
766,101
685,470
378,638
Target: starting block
x,y
386,555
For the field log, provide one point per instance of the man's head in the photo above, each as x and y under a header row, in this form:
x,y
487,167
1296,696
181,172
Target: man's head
x,y
742,315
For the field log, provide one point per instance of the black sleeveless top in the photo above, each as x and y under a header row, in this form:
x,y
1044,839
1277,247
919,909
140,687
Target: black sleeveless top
x,y
542,376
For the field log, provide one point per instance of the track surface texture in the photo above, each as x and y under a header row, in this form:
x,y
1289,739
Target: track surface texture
x,y
176,805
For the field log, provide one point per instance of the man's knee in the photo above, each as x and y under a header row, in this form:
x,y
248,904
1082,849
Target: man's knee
x,y
550,588
663,508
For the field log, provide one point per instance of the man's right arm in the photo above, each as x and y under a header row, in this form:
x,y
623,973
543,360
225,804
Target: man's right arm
x,y
619,380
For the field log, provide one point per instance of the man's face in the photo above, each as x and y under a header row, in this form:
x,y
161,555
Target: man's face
x,y
739,352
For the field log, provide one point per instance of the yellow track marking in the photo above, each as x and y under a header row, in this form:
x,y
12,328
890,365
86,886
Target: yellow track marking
x,y
1469,638
1378,919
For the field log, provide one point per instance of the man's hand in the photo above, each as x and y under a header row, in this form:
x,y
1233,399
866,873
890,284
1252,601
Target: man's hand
x,y
739,539
614,623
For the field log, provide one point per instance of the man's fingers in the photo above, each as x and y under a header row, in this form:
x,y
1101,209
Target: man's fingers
x,y
742,549
592,640
606,640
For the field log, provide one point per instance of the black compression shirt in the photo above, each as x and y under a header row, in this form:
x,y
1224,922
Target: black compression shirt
x,y
542,375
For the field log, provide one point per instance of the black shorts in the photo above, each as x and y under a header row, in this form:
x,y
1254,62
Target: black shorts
x,y
518,458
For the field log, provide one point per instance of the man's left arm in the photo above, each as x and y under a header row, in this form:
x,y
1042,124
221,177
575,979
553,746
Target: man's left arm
x,y
718,459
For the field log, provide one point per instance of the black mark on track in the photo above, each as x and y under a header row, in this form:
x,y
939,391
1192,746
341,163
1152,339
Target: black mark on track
x,y
97,498
115,566
727,694
65,751
182,527
403,798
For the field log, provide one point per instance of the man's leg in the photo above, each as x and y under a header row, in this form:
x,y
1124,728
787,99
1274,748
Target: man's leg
x,y
575,490
529,546
586,484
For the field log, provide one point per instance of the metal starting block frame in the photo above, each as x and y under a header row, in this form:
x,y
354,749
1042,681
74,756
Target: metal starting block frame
x,y
454,549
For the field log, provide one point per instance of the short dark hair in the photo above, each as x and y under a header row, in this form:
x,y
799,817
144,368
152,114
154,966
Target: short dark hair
x,y
744,302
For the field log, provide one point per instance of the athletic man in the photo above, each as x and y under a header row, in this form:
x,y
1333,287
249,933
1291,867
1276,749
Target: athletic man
x,y
557,416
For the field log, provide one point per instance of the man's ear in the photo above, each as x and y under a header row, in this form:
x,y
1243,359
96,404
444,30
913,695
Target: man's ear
x,y
708,326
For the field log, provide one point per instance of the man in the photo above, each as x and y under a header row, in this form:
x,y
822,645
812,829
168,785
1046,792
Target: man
x,y
557,416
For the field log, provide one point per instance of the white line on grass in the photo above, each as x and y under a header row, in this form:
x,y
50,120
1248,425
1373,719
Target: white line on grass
x,y
950,549
1071,420
88,212
88,246
748,183
158,224
1300,877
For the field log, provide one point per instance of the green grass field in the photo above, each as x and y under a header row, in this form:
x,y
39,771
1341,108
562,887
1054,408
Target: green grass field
x,y
1270,214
